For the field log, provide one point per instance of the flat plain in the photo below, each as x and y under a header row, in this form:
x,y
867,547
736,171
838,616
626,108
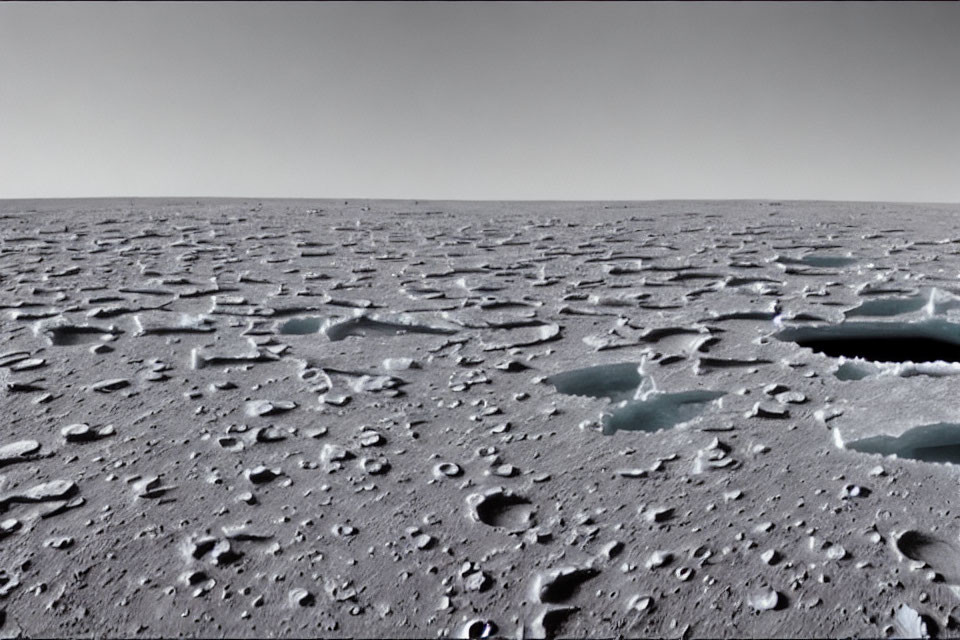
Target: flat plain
x,y
352,418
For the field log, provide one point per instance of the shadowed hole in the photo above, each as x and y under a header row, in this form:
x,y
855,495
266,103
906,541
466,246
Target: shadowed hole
x,y
942,556
505,510
69,336
929,341
822,261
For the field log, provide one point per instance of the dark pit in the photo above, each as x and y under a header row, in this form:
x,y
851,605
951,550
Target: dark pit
x,y
928,341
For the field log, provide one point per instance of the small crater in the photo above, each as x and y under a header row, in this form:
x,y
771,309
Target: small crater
x,y
854,370
942,556
501,508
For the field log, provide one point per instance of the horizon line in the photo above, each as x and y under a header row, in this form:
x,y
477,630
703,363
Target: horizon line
x,y
480,200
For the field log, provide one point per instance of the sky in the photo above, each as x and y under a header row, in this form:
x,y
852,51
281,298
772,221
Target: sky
x,y
482,100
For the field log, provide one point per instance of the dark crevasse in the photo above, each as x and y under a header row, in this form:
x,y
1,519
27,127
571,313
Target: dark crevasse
x,y
927,341
822,261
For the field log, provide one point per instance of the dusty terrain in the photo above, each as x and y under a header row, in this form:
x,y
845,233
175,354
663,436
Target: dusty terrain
x,y
319,418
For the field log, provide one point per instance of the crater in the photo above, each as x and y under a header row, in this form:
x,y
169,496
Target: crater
x,y
854,370
502,509
941,555
927,341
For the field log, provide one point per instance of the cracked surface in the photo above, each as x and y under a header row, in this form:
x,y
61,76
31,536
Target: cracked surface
x,y
303,418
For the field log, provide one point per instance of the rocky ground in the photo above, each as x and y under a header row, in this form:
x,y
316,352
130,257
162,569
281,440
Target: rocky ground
x,y
434,419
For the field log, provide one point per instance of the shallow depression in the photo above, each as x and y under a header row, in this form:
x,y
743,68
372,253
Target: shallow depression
x,y
933,302
938,442
361,326
603,381
72,336
819,260
300,326
640,407
659,412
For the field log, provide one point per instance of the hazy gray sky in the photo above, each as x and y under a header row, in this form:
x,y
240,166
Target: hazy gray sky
x,y
851,100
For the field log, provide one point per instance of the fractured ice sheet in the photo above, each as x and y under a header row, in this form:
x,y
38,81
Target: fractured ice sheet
x,y
860,369
930,443
639,407
931,302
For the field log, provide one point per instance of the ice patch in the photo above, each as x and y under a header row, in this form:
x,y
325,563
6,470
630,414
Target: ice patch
x,y
932,303
613,381
662,411
938,443
858,369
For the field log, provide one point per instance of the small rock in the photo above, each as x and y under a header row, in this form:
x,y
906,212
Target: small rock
x,y
761,410
764,600
658,559
659,514
261,474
